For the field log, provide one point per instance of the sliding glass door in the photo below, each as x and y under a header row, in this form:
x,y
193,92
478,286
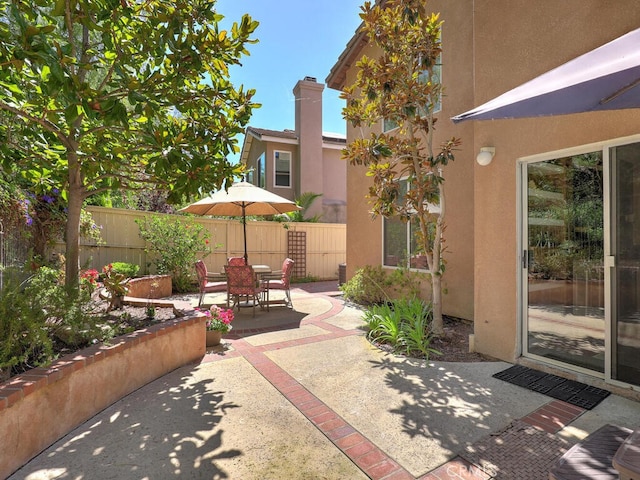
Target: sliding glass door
x,y
580,269
563,260
625,246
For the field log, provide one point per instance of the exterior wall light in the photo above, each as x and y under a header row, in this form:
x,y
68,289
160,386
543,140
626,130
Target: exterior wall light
x,y
485,156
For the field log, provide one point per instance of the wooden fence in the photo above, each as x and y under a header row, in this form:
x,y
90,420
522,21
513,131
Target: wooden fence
x,y
323,248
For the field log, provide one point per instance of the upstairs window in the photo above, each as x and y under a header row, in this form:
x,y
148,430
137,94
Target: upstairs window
x,y
282,169
260,171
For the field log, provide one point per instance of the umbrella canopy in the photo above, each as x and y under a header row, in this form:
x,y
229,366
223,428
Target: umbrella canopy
x,y
607,78
240,200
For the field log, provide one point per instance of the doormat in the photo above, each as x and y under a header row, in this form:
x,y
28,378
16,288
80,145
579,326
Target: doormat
x,y
570,391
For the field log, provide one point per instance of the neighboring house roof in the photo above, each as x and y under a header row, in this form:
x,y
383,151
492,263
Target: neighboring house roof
x,y
330,139
335,140
265,135
260,133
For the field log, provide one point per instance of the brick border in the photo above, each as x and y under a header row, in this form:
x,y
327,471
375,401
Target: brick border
x,y
374,462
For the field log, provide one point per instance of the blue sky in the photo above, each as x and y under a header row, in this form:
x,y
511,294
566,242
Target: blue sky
x,y
297,38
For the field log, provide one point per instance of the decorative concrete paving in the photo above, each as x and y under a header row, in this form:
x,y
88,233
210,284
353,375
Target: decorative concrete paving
x,y
419,415
301,394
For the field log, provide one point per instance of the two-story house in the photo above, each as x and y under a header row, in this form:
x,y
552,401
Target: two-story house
x,y
543,222
290,163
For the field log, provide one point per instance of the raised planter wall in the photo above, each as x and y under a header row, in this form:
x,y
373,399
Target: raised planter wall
x,y
44,404
151,286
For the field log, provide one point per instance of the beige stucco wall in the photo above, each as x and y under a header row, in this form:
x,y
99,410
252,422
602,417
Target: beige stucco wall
x,y
489,47
364,235
515,41
257,147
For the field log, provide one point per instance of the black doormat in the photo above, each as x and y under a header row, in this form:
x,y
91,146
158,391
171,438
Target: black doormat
x,y
575,393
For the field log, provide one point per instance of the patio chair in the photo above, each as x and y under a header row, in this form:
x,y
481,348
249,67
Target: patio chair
x,y
205,285
242,281
281,281
236,261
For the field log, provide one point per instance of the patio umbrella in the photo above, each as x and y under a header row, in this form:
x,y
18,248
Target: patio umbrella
x,y
240,200
607,78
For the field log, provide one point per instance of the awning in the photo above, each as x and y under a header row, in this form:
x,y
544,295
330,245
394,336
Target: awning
x,y
607,78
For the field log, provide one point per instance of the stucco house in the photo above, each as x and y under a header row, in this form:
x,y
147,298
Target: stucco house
x,y
543,231
292,162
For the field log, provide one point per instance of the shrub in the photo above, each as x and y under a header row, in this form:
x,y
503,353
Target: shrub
x,y
367,286
374,285
129,270
70,317
22,329
174,245
404,325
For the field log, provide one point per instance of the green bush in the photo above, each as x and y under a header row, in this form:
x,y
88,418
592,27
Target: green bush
x,y
129,270
367,286
405,325
174,245
374,285
23,330
69,317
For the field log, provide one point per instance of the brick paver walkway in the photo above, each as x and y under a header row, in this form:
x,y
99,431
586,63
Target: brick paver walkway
x,y
524,450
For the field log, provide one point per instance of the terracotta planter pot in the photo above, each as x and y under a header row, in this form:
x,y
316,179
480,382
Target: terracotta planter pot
x,y
213,338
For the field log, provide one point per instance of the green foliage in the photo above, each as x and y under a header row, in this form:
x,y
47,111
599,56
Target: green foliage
x,y
104,96
70,316
174,244
127,269
116,284
405,325
304,201
35,221
40,311
367,286
22,329
375,285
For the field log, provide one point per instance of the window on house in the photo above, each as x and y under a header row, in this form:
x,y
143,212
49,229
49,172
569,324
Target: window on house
x,y
388,125
261,171
282,169
436,77
400,247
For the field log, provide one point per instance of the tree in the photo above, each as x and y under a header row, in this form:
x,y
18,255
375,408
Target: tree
x,y
402,86
99,95
304,201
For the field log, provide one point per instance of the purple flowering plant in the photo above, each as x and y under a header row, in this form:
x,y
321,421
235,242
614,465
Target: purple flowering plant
x,y
219,319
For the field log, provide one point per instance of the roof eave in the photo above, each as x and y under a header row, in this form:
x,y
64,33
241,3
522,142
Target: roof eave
x,y
338,74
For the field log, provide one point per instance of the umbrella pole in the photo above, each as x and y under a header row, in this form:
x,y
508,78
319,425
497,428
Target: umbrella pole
x,y
244,229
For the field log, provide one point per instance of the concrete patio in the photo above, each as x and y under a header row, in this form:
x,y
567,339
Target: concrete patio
x,y
301,394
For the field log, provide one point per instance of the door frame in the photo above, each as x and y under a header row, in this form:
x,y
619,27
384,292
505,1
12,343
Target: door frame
x,y
609,260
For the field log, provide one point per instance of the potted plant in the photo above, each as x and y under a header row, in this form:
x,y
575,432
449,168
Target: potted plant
x,y
218,322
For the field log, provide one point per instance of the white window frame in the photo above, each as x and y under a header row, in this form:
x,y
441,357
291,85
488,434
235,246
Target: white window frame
x,y
276,155
261,177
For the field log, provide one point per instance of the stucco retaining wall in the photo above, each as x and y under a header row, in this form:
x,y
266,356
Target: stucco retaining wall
x,y
151,286
44,404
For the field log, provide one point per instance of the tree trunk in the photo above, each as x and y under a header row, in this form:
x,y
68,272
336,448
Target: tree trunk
x,y
72,232
436,302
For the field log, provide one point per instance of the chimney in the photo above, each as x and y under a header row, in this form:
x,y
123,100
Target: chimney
x,y
308,98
